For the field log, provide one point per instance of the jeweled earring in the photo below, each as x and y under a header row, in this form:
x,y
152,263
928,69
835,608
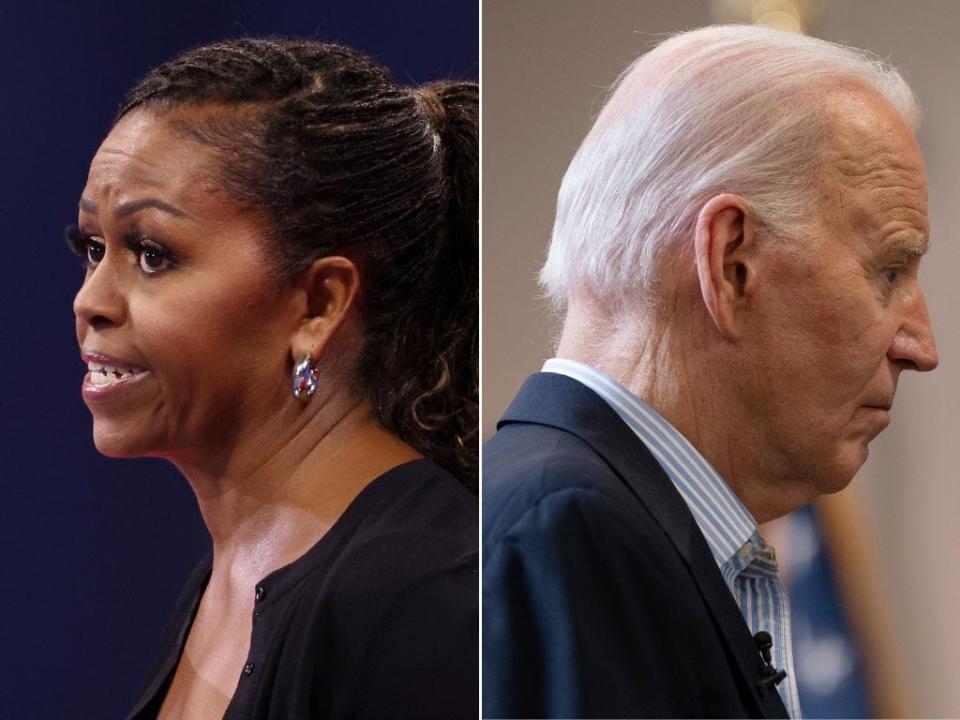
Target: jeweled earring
x,y
305,380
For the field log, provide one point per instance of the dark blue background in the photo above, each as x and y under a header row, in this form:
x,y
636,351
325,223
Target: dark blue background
x,y
93,551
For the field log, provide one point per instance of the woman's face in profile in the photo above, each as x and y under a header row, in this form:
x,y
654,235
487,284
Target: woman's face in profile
x,y
182,322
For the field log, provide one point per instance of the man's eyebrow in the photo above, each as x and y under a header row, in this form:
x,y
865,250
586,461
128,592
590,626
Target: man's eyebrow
x,y
911,246
132,206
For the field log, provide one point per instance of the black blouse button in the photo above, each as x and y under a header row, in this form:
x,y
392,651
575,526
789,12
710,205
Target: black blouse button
x,y
248,669
260,594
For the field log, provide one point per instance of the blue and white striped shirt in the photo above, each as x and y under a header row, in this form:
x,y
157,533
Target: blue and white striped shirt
x,y
747,563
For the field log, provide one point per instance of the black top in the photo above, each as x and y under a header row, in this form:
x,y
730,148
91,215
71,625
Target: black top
x,y
377,620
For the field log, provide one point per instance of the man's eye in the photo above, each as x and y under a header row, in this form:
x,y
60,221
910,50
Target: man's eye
x,y
891,274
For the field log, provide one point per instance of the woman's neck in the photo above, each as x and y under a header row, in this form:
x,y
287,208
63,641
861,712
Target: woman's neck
x,y
274,497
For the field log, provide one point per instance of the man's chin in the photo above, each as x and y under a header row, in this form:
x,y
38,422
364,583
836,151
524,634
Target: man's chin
x,y
847,466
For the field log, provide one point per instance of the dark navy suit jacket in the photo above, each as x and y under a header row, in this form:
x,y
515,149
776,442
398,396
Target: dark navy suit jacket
x,y
601,597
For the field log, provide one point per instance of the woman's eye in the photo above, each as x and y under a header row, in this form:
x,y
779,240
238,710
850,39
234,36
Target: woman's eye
x,y
153,259
95,252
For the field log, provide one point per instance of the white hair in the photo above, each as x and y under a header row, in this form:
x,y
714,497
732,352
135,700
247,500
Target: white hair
x,y
729,108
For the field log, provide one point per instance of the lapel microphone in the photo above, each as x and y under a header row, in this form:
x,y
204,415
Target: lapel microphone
x,y
769,675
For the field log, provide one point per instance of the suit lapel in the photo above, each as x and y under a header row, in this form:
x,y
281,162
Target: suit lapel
x,y
561,402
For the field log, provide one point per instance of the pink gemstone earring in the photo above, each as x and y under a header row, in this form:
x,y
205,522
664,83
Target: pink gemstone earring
x,y
305,380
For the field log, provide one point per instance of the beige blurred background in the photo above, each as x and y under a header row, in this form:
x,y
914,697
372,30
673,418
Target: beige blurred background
x,y
546,66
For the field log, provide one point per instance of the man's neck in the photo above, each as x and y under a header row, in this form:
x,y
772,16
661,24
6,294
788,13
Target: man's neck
x,y
684,382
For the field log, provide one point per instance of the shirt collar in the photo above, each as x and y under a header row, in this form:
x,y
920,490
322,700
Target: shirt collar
x,y
722,518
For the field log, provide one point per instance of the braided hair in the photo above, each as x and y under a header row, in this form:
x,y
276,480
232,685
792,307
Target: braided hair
x,y
340,157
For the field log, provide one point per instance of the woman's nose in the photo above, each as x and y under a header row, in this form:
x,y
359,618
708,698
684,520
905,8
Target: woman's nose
x,y
100,301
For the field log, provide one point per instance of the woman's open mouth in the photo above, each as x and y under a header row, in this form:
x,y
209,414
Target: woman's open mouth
x,y
107,375
104,374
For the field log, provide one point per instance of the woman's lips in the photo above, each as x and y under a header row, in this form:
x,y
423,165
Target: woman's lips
x,y
97,387
109,376
102,359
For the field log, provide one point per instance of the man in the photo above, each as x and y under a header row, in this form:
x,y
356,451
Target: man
x,y
736,249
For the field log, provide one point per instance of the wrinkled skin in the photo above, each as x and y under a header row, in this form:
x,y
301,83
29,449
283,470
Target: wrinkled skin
x,y
838,320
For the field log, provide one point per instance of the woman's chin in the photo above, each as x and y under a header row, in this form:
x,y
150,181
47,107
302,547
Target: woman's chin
x,y
117,443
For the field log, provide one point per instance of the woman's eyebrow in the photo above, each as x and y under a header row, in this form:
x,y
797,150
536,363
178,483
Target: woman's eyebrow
x,y
131,206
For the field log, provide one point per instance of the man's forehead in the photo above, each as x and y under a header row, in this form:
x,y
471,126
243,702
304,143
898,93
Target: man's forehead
x,y
888,206
873,173
865,134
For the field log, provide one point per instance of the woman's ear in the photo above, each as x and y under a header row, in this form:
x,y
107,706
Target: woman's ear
x,y
725,245
330,287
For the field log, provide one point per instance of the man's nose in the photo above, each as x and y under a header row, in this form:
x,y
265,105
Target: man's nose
x,y
100,301
914,347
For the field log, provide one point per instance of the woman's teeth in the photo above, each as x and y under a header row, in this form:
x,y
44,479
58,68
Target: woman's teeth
x,y
101,374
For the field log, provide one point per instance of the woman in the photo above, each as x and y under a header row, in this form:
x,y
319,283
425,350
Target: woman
x,y
281,299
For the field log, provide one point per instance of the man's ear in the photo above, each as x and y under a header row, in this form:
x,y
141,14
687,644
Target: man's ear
x,y
724,246
330,287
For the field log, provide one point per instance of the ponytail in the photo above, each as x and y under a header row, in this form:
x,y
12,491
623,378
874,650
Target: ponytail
x,y
443,402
